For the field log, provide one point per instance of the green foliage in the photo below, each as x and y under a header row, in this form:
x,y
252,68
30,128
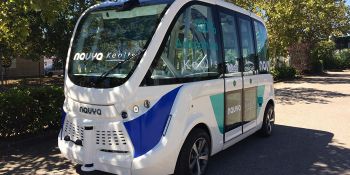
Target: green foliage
x,y
317,66
325,52
284,73
36,28
30,110
300,21
60,31
342,59
345,54
21,25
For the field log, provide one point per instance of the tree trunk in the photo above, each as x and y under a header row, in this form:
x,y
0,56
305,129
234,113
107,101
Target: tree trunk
x,y
39,69
2,73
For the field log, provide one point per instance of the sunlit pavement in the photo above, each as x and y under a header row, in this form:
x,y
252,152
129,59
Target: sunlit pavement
x,y
312,133
312,136
41,158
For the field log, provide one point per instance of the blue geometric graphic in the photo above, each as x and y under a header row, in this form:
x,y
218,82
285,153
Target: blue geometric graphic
x,y
146,131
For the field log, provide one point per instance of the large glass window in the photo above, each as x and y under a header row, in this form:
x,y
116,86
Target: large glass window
x,y
262,47
191,51
247,44
230,41
108,44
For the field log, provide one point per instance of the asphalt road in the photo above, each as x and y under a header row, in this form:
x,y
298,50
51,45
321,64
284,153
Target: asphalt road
x,y
312,136
312,133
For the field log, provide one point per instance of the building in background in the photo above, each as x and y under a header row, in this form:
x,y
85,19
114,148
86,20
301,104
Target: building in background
x,y
48,64
21,68
342,42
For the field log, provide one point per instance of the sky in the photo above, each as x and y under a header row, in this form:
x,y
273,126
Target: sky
x,y
348,2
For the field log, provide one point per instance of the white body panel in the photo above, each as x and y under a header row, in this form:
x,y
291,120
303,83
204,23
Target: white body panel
x,y
191,106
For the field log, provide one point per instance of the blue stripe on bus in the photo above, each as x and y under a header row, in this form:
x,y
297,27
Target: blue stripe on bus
x,y
146,131
63,117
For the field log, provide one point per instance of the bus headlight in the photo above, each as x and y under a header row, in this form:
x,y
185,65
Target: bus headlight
x,y
136,109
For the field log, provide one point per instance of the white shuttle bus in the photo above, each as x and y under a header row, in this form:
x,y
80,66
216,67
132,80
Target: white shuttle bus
x,y
158,86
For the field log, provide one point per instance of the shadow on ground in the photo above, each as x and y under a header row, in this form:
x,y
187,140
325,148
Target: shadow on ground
x,y
333,78
289,151
290,96
37,158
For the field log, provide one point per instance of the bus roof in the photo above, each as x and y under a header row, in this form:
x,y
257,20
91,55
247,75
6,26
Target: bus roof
x,y
142,3
221,3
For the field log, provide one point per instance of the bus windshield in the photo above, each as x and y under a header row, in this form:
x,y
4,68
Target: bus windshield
x,y
109,43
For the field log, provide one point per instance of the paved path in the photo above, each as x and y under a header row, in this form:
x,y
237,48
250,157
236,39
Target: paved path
x,y
312,136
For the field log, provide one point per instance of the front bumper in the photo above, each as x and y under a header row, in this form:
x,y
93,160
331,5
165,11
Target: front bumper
x,y
106,147
96,145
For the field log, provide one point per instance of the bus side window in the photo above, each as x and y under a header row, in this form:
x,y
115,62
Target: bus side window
x,y
262,47
191,50
247,44
230,41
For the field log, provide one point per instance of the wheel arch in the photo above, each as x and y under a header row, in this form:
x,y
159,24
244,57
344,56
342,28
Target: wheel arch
x,y
270,102
205,128
201,126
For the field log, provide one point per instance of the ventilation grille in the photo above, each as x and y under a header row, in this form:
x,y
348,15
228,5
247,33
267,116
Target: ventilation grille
x,y
107,137
110,138
74,131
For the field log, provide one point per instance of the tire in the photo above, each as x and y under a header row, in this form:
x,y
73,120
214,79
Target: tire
x,y
269,121
50,74
189,160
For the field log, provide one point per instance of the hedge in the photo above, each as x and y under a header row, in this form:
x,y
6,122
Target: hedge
x,y
325,55
284,73
26,111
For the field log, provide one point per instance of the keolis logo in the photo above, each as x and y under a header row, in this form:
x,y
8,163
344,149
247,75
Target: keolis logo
x,y
91,111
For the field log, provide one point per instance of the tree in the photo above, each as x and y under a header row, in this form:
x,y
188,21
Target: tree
x,y
60,32
300,21
21,31
36,28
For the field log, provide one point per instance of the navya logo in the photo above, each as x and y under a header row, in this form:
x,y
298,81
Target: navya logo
x,y
91,111
88,56
233,109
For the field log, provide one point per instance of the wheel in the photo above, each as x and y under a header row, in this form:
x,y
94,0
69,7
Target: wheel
x,y
194,154
269,121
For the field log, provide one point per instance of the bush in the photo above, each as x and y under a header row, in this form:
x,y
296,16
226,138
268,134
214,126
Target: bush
x,y
342,58
284,73
317,66
325,51
30,110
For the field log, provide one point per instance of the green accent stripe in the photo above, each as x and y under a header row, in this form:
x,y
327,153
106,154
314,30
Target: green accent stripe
x,y
260,97
217,102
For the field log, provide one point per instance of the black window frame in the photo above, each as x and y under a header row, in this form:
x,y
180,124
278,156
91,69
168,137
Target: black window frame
x,y
240,58
148,81
256,60
256,46
237,15
90,82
